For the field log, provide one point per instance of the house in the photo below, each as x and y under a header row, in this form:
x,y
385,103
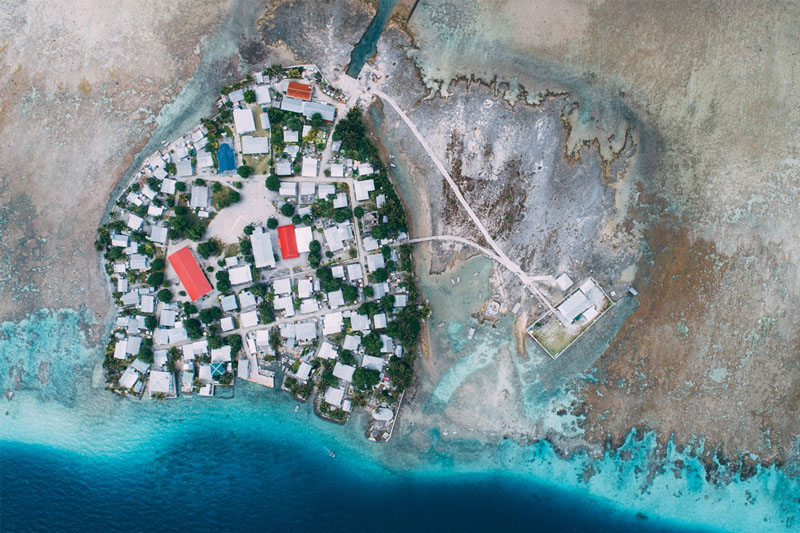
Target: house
x,y
246,300
262,95
293,105
354,272
337,170
363,188
248,319
167,318
190,274
282,286
564,281
333,238
306,131
199,197
303,236
161,382
401,300
255,145
344,372
337,272
128,378
221,355
327,351
332,323
240,274
351,342
287,241
305,331
263,256
325,189
184,168
387,344
285,304
243,121
370,244
304,288
130,298
243,370
374,262
204,159
154,211
288,188
326,111
158,234
340,201
134,222
265,123
229,303
291,136
359,322
120,349
309,305
119,240
304,371
283,168
309,167
138,262
122,285
236,96
301,91
134,199
334,396
365,169
307,189
335,299
159,172
379,320
226,324
140,366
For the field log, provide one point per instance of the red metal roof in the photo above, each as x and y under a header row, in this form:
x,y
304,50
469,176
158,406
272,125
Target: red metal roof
x,y
299,90
192,277
288,242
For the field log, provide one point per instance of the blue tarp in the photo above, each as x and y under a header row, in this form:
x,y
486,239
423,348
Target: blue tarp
x,y
225,158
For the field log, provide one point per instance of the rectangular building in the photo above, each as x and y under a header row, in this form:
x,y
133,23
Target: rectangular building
x,y
190,273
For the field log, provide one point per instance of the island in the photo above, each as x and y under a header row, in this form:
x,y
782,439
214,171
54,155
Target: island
x,y
267,244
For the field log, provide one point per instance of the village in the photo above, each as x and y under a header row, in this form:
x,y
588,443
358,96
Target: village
x,y
282,202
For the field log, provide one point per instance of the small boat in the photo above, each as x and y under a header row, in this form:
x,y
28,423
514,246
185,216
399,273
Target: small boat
x,y
330,452
441,324
392,165
391,156
471,333
296,408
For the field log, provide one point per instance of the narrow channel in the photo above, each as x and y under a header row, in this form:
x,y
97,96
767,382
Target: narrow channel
x,y
368,45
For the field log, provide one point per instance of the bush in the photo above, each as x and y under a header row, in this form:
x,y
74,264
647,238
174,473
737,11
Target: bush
x,y
372,344
358,211
248,230
381,275
245,171
208,248
350,293
250,96
314,246
180,186
223,281
150,322
189,308
295,124
365,378
287,210
245,247
369,292
165,295
193,328
272,223
171,168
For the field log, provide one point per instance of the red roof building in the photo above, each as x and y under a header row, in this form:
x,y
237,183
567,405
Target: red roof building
x,y
190,274
287,240
299,90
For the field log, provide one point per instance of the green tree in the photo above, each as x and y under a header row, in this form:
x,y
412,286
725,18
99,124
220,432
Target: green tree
x,y
381,275
193,328
150,322
372,343
387,302
189,308
273,182
171,168
347,358
317,121
209,248
401,372
287,210
210,314
272,223
245,171
350,293
223,281
155,279
165,295
365,378
250,96
295,124
358,211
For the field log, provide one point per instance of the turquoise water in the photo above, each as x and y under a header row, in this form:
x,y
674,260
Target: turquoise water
x,y
367,46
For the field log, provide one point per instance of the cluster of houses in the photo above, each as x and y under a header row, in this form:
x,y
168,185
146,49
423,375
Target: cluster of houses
x,y
304,298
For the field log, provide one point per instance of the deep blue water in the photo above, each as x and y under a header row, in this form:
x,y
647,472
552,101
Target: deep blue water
x,y
209,482
367,46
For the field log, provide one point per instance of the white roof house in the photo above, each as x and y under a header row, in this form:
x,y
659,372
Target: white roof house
x,y
204,159
236,96
248,319
263,255
344,372
122,285
335,299
168,186
294,105
325,189
262,94
283,168
338,271
309,305
305,331
154,210
246,299
365,169
138,262
332,323
229,303
379,320
255,145
159,173
167,318
573,306
221,355
372,363
226,324
243,121
240,274
134,222
158,234
265,123
351,342
160,382
303,237
354,272
288,188
307,188
199,197
304,371
309,167
340,200
128,378
120,349
337,170
304,288
333,238
119,240
564,281
370,244
359,322
326,111
327,351
363,188
334,396
282,286
184,168
374,262
291,136
285,304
